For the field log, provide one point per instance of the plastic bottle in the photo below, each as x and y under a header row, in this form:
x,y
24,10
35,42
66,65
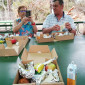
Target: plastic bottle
x,y
71,74
38,35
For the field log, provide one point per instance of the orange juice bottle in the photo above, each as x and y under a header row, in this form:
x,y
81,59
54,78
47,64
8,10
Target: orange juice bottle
x,y
38,35
71,74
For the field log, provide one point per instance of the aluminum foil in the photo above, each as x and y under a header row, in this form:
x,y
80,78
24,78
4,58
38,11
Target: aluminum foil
x,y
28,71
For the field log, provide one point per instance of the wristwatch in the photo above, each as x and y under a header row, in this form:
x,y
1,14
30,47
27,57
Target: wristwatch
x,y
70,29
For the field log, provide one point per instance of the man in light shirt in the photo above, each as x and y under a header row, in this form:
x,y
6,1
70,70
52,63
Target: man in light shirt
x,y
58,21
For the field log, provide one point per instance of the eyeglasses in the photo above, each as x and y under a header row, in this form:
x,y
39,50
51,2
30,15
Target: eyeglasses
x,y
22,10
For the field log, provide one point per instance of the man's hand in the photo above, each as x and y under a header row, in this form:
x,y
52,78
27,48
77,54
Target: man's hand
x,y
56,28
68,25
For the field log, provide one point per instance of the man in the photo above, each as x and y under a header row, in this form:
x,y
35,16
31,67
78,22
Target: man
x,y
54,22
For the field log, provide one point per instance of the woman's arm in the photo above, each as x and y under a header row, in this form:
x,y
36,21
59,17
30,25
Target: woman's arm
x,y
34,27
17,26
33,24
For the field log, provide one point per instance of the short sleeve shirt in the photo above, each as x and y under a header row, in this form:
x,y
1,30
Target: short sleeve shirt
x,y
25,30
52,20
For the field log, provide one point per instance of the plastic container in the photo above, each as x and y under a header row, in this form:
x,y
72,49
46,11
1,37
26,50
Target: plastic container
x,y
71,74
38,35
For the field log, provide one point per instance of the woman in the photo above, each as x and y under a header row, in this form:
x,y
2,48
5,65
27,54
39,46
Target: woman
x,y
24,25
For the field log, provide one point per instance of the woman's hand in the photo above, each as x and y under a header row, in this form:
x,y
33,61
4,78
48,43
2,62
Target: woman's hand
x,y
30,19
24,20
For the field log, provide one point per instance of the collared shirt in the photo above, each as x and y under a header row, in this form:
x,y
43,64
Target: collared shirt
x,y
52,20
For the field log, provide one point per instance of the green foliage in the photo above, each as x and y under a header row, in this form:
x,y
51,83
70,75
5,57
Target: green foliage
x,y
5,2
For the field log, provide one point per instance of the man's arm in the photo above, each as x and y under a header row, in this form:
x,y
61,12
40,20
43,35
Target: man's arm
x,y
54,28
71,26
47,30
70,29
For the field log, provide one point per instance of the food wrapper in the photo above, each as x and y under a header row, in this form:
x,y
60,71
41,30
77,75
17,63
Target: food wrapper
x,y
27,70
55,75
66,33
51,76
19,63
17,43
27,73
62,26
47,77
45,36
60,34
64,30
41,78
